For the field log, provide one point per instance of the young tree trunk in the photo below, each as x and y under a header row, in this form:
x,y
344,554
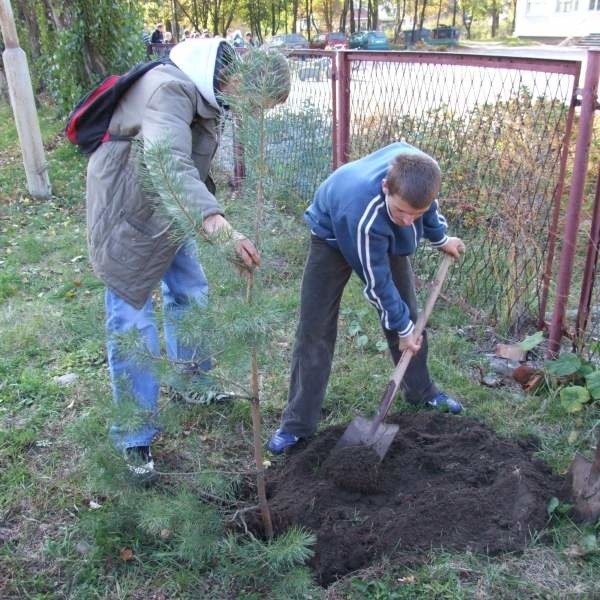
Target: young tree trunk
x,y
255,388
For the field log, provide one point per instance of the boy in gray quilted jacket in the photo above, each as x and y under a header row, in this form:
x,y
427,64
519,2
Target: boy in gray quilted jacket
x,y
131,246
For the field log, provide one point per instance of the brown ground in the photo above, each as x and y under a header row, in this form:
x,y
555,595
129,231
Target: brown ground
x,y
446,481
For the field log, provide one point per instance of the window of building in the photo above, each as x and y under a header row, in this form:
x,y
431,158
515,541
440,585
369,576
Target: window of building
x,y
536,8
563,6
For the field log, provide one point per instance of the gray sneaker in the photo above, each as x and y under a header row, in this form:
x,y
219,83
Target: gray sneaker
x,y
205,397
140,463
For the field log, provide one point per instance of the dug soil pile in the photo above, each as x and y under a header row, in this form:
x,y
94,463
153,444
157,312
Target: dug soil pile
x,y
446,481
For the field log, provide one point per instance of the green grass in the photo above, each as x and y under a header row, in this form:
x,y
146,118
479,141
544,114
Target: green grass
x,y
56,464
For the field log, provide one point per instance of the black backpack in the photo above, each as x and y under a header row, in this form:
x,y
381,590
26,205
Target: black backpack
x,y
87,125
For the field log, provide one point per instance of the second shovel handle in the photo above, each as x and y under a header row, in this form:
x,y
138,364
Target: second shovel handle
x,y
398,374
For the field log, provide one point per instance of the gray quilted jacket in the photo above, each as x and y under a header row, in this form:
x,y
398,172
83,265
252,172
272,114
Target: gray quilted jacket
x,y
130,246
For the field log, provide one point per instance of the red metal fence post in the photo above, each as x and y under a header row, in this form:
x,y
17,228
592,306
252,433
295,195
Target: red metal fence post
x,y
342,140
589,102
556,211
239,166
589,271
334,116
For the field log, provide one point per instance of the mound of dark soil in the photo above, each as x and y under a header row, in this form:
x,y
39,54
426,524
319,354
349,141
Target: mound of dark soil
x,y
446,481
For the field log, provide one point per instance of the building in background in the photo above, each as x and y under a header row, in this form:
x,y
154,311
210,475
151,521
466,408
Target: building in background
x,y
556,20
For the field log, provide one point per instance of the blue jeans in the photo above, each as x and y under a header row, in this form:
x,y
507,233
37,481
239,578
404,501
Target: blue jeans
x,y
183,284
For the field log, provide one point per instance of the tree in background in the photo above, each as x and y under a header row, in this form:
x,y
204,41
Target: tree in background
x,y
73,45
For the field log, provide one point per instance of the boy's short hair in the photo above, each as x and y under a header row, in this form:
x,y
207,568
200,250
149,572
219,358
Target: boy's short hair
x,y
415,177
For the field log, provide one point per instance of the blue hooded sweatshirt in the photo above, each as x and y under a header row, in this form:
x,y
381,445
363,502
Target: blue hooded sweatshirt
x,y
350,213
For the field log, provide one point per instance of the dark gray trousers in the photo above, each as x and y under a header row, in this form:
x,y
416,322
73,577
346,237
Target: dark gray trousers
x,y
325,275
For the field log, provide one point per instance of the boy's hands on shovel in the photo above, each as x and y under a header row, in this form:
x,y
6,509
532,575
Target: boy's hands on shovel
x,y
410,342
453,246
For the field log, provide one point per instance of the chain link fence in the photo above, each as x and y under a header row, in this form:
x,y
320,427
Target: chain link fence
x,y
499,128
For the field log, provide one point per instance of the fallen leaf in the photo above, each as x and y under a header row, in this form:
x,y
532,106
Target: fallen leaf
x,y
523,373
510,351
126,554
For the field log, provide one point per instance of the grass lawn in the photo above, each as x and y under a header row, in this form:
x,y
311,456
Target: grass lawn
x,y
71,528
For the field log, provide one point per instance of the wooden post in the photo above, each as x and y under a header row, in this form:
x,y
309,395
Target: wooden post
x,y
23,106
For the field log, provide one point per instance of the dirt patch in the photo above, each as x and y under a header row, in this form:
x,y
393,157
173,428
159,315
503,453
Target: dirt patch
x,y
446,481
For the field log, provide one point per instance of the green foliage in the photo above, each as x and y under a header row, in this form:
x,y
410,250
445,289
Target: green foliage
x,y
577,379
531,341
273,565
82,43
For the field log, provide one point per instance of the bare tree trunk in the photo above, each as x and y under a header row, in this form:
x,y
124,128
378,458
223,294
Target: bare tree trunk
x,y
414,25
344,16
513,23
422,18
400,14
439,14
495,18
295,16
467,22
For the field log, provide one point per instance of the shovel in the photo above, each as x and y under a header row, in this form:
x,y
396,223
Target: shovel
x,y
585,485
375,433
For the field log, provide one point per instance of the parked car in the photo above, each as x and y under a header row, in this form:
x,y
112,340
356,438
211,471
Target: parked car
x,y
288,41
369,40
333,40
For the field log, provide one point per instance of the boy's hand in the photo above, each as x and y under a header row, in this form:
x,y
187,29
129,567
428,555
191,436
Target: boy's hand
x,y
244,248
410,343
453,246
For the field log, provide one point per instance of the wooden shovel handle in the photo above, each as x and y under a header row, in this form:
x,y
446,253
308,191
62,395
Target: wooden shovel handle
x,y
392,387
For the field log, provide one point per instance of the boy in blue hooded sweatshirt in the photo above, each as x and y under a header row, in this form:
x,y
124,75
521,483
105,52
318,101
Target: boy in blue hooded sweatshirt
x,y
368,217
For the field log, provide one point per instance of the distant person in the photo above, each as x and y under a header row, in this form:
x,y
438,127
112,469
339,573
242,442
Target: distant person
x,y
250,43
237,40
168,38
186,34
157,34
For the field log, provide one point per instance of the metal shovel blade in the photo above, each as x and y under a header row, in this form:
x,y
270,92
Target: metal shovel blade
x,y
585,484
360,432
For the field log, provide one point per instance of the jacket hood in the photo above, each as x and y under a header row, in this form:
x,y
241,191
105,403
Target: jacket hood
x,y
198,59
